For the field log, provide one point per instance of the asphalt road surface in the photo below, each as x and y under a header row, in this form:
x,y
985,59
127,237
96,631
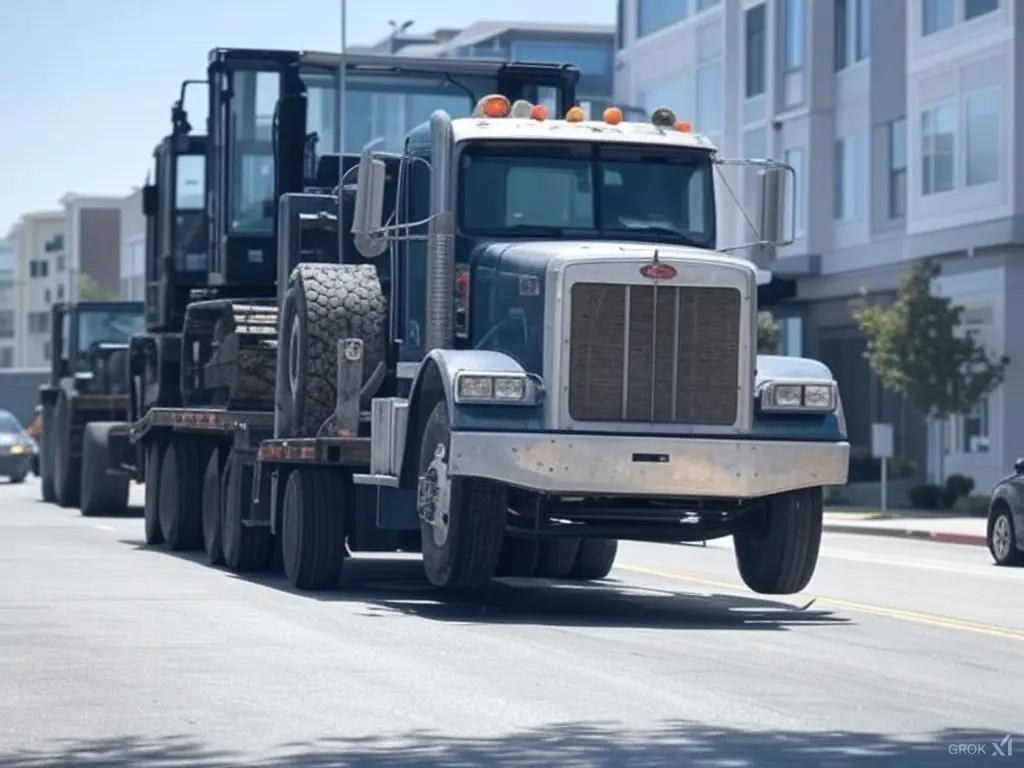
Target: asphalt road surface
x,y
912,654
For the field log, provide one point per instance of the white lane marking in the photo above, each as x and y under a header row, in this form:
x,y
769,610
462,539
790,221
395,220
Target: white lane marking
x,y
105,528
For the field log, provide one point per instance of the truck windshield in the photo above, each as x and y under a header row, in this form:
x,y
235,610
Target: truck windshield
x,y
382,105
587,189
115,327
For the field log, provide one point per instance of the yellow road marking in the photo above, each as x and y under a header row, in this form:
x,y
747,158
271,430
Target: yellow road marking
x,y
928,619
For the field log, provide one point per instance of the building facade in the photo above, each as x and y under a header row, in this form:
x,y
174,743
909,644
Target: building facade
x,y
133,248
899,119
93,237
39,278
7,308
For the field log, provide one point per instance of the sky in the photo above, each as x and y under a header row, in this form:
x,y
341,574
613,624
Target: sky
x,y
86,87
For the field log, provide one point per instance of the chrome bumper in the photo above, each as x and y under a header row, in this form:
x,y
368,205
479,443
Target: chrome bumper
x,y
602,465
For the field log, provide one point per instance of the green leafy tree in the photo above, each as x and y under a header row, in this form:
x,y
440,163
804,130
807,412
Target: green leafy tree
x,y
769,337
90,290
919,348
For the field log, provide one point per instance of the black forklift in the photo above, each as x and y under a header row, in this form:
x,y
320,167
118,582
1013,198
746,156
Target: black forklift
x,y
86,396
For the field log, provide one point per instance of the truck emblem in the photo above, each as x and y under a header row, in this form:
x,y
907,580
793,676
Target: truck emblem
x,y
658,271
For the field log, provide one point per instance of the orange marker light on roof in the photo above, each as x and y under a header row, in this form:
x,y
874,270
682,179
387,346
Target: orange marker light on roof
x,y
575,115
539,112
683,126
613,116
494,105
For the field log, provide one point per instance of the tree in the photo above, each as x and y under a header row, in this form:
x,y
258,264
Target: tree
x,y
919,348
769,337
90,290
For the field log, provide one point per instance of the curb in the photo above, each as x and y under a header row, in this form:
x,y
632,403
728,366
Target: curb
x,y
940,537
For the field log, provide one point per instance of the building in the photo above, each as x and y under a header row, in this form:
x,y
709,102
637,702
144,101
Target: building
x,y
93,237
589,46
7,307
133,248
898,117
39,278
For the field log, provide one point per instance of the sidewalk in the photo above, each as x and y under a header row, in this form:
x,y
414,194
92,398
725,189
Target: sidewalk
x,y
908,524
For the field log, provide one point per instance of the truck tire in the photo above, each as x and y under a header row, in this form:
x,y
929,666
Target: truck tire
x,y
313,528
325,303
102,492
181,517
461,539
519,558
595,559
151,514
67,471
556,558
212,508
247,549
777,546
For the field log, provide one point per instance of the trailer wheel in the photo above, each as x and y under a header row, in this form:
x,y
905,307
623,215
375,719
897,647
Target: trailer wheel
x,y
102,492
325,303
246,548
557,558
462,526
519,558
212,504
155,449
595,559
313,528
67,471
777,547
180,496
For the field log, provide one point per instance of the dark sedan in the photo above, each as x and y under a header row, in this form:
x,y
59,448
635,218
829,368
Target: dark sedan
x,y
1006,519
17,448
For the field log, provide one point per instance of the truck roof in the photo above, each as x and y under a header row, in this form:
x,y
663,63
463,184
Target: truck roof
x,y
586,130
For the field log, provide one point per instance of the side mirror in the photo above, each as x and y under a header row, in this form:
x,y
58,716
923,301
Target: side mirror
x,y
369,206
771,226
149,201
1018,466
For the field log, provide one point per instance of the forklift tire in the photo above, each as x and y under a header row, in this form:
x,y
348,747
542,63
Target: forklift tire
x,y
154,460
67,472
313,528
102,492
181,517
47,486
557,558
324,304
595,559
212,503
247,549
463,538
519,558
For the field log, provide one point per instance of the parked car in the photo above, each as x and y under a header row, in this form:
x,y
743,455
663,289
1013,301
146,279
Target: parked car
x,y
17,448
1006,518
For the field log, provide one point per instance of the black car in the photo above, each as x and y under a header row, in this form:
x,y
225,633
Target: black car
x,y
17,448
1006,518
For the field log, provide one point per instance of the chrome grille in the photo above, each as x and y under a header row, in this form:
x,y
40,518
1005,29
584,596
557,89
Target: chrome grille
x,y
654,353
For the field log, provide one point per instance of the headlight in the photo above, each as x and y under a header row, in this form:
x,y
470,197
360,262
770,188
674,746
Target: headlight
x,y
505,389
796,396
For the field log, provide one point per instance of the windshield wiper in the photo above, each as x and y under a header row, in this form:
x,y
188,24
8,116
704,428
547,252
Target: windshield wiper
x,y
656,230
540,230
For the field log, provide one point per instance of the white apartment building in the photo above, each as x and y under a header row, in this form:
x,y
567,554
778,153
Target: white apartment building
x,y
899,117
7,307
39,278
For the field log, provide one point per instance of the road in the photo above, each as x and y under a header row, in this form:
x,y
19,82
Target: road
x,y
115,655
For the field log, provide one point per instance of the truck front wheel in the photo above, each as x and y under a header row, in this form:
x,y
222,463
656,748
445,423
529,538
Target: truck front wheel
x,y
777,546
462,519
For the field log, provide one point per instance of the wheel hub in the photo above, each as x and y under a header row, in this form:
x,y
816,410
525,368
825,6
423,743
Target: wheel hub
x,y
1002,541
434,495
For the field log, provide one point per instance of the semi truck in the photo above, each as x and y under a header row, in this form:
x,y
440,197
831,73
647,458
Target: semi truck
x,y
507,345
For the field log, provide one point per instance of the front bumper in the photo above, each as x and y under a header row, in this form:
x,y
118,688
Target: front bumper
x,y
609,465
15,464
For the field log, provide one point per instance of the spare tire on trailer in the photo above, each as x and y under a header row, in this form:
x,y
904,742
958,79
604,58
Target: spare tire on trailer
x,y
324,303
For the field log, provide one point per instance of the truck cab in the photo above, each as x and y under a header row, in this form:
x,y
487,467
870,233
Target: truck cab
x,y
581,353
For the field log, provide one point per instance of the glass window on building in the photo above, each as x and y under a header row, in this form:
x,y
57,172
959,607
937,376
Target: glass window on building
x,y
652,15
591,58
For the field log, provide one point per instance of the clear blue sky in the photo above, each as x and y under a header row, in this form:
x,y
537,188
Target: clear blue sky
x,y
86,87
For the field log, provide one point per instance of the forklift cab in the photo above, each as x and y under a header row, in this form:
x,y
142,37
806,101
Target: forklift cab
x,y
174,205
89,342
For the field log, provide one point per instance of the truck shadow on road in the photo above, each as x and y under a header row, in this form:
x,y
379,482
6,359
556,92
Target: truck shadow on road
x,y
568,745
387,586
